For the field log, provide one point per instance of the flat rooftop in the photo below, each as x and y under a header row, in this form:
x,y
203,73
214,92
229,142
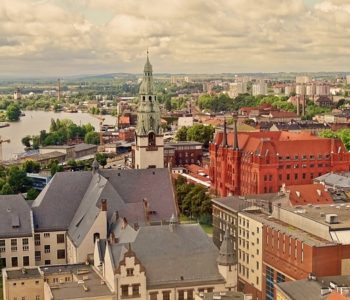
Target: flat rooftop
x,y
317,213
23,273
227,295
87,284
71,269
288,229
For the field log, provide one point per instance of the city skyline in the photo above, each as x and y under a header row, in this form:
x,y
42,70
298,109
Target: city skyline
x,y
51,37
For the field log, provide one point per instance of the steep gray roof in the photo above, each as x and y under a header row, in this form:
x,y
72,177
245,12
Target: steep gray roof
x,y
175,257
226,253
71,201
56,205
15,217
153,184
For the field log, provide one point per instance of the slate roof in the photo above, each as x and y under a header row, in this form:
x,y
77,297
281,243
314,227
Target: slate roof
x,y
341,180
15,217
71,201
55,206
166,255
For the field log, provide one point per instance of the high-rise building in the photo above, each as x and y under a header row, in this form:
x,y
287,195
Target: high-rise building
x,y
348,79
148,151
259,88
289,89
302,79
322,89
237,88
300,89
311,90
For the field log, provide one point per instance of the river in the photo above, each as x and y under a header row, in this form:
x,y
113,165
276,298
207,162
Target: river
x,y
34,121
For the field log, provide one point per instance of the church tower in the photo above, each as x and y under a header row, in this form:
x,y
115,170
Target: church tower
x,y
149,144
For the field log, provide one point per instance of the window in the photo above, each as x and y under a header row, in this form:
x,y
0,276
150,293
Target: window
x,y
25,244
269,283
296,176
61,254
47,248
304,175
151,139
96,236
47,234
190,295
60,238
280,277
153,296
37,255
166,295
14,261
37,239
125,290
47,262
135,289
2,262
37,297
288,176
25,261
14,245
129,272
2,246
296,157
181,295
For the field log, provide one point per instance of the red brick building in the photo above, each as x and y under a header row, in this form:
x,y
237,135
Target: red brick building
x,y
261,162
291,254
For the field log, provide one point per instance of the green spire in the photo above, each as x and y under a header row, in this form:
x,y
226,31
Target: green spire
x,y
148,113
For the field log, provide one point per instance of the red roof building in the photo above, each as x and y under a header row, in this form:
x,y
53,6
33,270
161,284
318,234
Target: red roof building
x,y
262,162
309,194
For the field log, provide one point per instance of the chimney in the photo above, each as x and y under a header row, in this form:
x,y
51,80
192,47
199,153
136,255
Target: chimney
x,y
125,223
103,204
115,217
112,238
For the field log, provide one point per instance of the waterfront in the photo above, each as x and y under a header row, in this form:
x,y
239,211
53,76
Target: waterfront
x,y
34,121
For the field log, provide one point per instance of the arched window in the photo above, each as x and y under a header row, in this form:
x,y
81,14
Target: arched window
x,y
143,98
151,139
96,236
150,98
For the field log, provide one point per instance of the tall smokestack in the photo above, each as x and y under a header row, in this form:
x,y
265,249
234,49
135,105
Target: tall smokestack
x,y
298,105
58,89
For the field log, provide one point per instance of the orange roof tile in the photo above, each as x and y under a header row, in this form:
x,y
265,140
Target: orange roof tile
x,y
336,296
309,194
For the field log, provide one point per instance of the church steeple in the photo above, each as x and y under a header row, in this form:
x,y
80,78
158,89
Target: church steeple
x,y
149,144
148,113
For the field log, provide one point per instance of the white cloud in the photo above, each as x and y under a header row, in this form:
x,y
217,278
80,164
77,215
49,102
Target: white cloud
x,y
182,35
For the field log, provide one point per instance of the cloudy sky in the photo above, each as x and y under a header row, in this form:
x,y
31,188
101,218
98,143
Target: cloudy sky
x,y
71,37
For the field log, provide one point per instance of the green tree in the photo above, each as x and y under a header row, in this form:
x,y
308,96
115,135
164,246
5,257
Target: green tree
x,y
181,134
92,138
102,159
32,194
26,141
72,163
201,133
13,112
55,167
6,189
31,166
168,105
17,178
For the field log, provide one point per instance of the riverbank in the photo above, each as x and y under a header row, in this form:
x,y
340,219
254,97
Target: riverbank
x,y
35,121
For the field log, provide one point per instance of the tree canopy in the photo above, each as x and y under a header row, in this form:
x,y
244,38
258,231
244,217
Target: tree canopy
x,y
198,132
